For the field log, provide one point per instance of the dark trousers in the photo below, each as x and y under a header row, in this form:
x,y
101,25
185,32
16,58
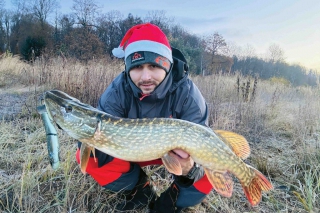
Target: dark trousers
x,y
117,175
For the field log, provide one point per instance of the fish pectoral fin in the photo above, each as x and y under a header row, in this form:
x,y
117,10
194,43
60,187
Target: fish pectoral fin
x,y
221,182
236,142
85,152
172,164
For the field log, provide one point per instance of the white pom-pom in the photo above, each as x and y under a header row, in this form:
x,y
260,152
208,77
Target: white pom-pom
x,y
118,52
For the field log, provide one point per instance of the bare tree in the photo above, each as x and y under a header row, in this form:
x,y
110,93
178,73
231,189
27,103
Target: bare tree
x,y
109,30
42,8
215,44
159,18
91,47
249,51
66,23
5,29
215,48
20,6
86,11
129,22
275,53
15,21
235,50
2,32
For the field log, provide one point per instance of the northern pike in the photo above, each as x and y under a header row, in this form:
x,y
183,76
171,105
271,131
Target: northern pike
x,y
221,153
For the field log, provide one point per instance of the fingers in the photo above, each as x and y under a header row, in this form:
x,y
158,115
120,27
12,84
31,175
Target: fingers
x,y
173,154
181,153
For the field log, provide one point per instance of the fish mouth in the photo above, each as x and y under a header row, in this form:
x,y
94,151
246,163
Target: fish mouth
x,y
59,97
68,112
58,106
65,100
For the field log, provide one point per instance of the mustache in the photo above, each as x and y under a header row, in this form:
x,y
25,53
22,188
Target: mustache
x,y
147,82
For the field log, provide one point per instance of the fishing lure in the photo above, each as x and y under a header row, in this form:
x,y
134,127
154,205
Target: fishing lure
x,y
51,136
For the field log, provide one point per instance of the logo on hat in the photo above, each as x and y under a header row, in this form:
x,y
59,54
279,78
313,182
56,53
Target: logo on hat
x,y
137,56
164,62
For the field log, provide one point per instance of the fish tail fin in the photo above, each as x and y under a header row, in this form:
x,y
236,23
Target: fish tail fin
x,y
258,184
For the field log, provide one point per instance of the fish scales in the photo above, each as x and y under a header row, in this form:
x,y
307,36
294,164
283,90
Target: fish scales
x,y
146,139
164,135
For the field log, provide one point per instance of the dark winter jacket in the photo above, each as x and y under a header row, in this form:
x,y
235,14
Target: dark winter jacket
x,y
171,99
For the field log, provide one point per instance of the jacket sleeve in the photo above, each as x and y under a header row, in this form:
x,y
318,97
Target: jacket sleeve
x,y
194,109
110,101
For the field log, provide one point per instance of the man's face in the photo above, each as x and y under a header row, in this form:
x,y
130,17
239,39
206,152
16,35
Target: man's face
x,y
147,77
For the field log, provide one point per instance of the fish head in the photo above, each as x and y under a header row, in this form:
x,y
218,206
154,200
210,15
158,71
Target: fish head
x,y
69,114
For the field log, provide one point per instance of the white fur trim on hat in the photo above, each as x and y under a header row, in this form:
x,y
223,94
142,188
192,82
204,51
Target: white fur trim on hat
x,y
150,46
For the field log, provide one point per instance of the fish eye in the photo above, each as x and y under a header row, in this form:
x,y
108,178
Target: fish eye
x,y
68,109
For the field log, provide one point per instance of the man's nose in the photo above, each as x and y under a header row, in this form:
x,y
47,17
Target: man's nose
x,y
146,75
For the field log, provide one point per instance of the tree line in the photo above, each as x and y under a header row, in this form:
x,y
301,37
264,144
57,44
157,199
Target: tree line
x,y
86,33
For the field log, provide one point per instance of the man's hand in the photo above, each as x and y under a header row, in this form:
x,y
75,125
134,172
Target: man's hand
x,y
184,159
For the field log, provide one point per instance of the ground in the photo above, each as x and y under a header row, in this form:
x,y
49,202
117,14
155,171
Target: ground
x,y
14,100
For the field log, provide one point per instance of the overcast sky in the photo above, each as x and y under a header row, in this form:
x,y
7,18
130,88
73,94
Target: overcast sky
x,y
294,25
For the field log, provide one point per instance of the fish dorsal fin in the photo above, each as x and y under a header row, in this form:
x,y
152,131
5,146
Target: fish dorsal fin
x,y
236,142
172,164
221,182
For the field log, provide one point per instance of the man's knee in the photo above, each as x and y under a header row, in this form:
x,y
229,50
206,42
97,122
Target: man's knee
x,y
194,194
127,181
189,197
112,173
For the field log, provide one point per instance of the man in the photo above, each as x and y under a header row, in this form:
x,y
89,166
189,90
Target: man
x,y
151,87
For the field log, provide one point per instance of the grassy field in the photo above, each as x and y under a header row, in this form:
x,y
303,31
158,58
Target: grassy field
x,y
280,122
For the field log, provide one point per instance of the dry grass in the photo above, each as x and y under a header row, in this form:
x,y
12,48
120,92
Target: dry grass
x,y
10,71
280,122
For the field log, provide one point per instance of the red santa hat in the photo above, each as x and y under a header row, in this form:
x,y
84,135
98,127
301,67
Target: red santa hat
x,y
145,43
